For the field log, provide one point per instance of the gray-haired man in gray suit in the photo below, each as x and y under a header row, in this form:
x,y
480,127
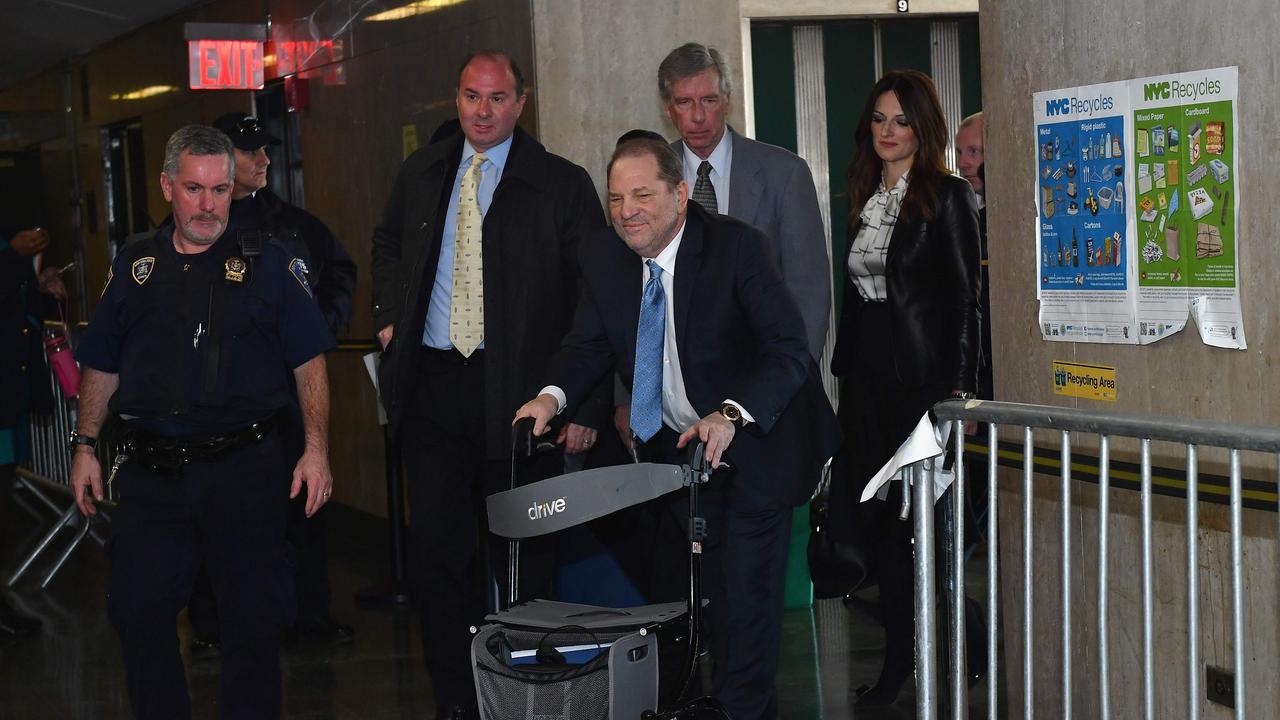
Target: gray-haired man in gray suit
x,y
761,184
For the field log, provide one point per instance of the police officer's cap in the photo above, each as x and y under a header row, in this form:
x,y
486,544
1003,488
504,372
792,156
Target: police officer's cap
x,y
245,131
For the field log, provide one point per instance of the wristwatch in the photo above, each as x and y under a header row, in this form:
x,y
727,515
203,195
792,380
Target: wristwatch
x,y
731,413
963,395
78,439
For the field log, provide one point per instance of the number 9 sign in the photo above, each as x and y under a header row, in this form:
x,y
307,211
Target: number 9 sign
x,y
902,6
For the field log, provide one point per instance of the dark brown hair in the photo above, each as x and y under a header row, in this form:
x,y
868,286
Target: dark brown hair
x,y
919,100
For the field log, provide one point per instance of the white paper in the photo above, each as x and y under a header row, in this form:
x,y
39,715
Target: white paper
x,y
926,441
1216,319
371,362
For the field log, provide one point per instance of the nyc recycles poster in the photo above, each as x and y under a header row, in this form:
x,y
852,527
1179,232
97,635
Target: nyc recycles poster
x,y
1137,210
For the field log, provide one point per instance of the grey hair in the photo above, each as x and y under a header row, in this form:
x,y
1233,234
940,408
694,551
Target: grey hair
x,y
199,140
974,118
689,60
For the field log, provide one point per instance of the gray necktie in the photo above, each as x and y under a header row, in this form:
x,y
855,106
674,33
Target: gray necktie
x,y
704,193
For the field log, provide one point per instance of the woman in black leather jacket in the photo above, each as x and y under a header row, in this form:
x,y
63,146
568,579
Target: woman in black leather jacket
x,y
909,332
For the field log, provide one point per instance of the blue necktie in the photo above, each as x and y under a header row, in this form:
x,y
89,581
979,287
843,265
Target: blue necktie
x,y
646,387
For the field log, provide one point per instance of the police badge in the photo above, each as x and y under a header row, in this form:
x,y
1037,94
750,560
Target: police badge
x,y
235,269
142,268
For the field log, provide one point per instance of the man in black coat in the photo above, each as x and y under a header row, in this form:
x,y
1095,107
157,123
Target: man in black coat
x,y
723,359
475,275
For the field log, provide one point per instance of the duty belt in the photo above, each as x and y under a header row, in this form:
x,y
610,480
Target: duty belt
x,y
165,454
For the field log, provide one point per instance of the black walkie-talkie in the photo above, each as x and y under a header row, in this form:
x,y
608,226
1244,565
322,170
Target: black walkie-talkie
x,y
251,244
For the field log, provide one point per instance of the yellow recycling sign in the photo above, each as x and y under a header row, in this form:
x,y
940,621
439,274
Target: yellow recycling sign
x,y
1094,382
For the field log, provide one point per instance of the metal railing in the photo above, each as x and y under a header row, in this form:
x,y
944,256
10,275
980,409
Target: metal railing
x,y
48,476
1191,434
48,480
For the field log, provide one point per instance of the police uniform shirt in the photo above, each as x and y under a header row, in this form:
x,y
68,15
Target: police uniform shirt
x,y
204,341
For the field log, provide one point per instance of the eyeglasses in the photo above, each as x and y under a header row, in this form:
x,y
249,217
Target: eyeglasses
x,y
249,125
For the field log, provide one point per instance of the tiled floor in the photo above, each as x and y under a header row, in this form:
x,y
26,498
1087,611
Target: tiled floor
x,y
71,670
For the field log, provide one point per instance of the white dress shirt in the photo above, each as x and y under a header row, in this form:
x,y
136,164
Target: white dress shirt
x,y
721,160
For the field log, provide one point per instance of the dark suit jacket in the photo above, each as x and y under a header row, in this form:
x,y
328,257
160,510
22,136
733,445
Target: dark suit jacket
x,y
772,190
739,336
932,275
543,206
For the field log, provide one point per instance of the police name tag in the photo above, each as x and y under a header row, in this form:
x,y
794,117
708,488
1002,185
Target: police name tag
x,y
235,269
142,268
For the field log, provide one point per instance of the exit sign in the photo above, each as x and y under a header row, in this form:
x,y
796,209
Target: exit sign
x,y
225,56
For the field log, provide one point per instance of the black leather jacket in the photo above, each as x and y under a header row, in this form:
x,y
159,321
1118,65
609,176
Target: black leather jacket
x,y
933,276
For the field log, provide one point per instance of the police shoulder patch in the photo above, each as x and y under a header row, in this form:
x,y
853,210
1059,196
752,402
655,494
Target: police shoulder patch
x,y
298,269
142,268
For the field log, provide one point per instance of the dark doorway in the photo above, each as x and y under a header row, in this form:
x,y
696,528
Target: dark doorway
x,y
21,196
124,175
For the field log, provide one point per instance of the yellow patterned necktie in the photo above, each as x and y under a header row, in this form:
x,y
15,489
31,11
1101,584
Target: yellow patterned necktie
x,y
466,308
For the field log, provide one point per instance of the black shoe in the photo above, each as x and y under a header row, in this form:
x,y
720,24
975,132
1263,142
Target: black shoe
x,y
884,693
881,695
457,712
205,645
14,624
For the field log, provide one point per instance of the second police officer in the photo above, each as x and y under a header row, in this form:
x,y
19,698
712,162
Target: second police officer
x,y
332,276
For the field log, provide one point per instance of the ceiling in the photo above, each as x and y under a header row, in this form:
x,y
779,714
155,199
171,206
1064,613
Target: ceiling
x,y
41,33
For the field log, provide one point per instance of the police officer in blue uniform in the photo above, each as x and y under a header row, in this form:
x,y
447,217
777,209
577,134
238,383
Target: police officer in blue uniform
x,y
192,346
332,276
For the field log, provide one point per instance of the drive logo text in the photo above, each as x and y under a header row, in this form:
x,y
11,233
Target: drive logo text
x,y
543,510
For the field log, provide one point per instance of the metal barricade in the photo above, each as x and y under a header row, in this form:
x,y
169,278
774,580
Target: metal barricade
x,y
1191,434
48,480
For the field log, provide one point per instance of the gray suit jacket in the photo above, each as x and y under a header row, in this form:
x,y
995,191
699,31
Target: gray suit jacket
x,y
772,189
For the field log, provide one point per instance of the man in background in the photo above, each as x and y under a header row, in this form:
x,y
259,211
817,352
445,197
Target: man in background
x,y
765,186
970,160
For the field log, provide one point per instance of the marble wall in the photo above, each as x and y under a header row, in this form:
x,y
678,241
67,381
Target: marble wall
x,y
1028,47
597,68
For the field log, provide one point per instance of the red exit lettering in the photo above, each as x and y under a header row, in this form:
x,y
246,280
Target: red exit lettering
x,y
225,64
